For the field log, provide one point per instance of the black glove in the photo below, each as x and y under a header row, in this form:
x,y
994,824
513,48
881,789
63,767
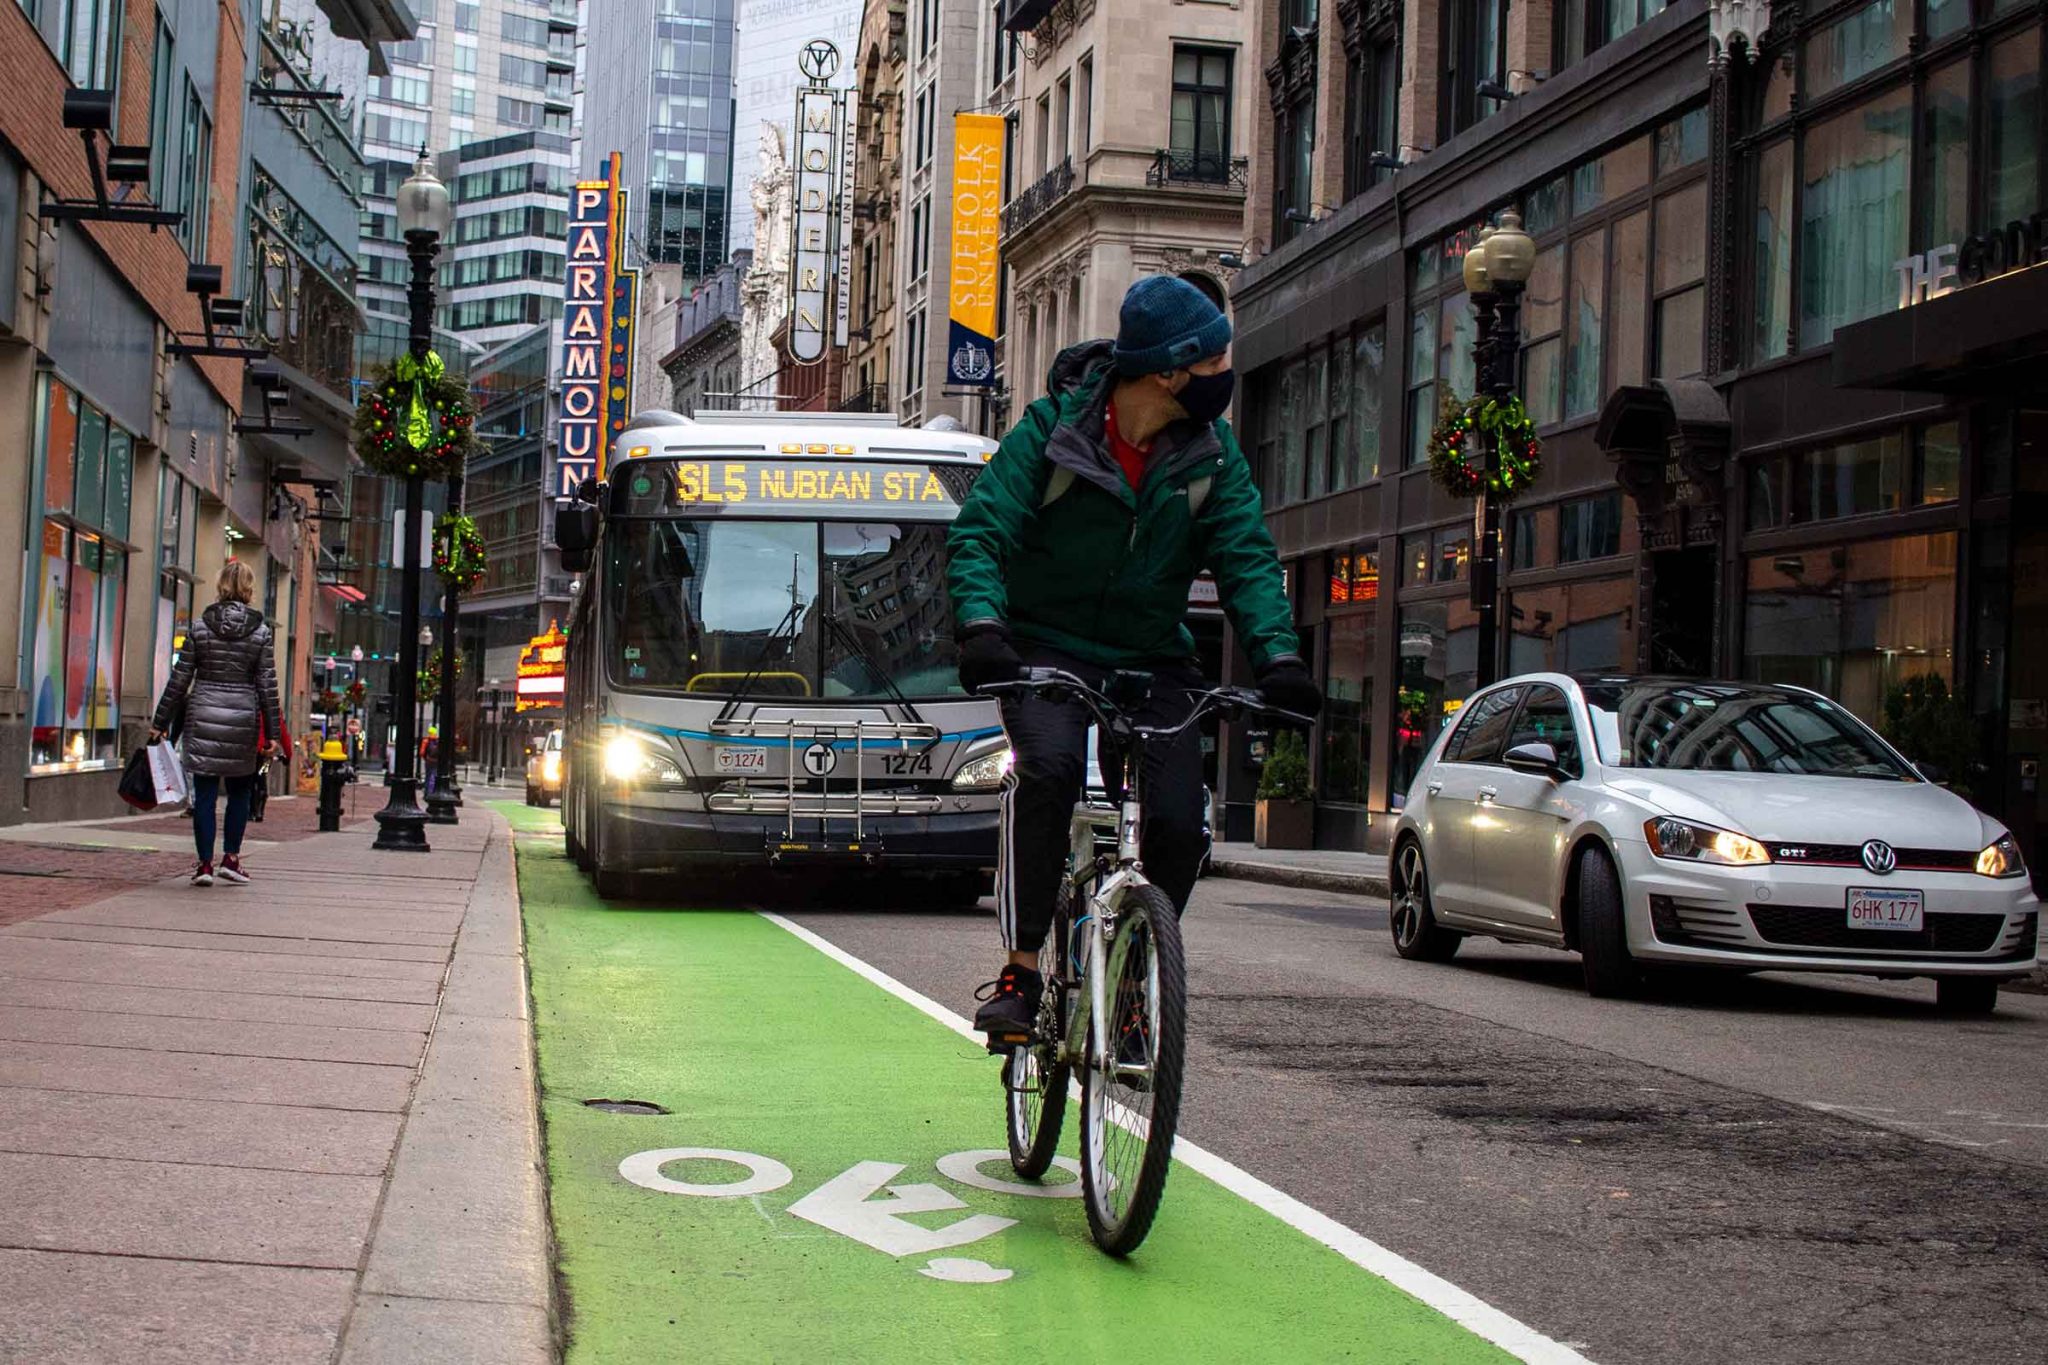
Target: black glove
x,y
1287,686
986,657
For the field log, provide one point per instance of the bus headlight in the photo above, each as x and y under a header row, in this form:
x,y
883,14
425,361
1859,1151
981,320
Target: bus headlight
x,y
628,759
986,773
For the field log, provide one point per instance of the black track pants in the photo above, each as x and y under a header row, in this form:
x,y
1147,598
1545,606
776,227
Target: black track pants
x,y
1050,741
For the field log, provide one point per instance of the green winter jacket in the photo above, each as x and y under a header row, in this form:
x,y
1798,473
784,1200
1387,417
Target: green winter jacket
x,y
1053,543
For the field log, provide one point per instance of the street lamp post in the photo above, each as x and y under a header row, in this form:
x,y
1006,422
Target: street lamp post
x,y
1497,268
424,215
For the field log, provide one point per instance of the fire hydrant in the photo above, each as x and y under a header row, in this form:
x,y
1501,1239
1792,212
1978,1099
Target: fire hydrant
x,y
333,776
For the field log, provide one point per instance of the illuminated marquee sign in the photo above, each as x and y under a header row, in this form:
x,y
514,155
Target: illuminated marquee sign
x,y
543,667
874,485
600,296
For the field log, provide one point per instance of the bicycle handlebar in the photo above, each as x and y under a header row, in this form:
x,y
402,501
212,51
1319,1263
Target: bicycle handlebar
x,y
1057,683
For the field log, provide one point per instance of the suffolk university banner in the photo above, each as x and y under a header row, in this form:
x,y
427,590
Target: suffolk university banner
x,y
600,298
977,228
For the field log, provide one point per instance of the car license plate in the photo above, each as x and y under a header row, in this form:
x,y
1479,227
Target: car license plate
x,y
1904,911
733,758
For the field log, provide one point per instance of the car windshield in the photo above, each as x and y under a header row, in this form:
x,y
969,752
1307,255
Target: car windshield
x,y
554,741
1719,727
808,608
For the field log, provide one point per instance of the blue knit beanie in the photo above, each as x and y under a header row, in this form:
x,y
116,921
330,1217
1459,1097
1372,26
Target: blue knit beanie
x,y
1167,324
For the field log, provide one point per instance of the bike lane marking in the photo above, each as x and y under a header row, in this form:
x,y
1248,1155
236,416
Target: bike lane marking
x,y
1459,1305
878,1246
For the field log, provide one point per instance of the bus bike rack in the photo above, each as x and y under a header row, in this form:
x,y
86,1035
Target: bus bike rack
x,y
793,806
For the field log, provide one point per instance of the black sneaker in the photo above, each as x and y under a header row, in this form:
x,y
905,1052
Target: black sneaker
x,y
1010,1016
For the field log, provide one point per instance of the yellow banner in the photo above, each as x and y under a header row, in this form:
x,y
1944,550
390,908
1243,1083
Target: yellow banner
x,y
977,228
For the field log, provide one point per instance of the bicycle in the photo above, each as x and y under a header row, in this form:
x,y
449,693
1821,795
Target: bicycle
x,y
1111,925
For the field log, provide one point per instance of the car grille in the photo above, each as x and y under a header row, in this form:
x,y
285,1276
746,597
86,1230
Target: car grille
x,y
1827,927
1851,855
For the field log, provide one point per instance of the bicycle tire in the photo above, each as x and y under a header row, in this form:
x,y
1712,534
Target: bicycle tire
x,y
1125,1157
1033,1116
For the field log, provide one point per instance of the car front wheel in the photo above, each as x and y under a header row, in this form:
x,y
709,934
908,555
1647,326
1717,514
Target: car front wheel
x,y
1965,994
1603,931
1417,935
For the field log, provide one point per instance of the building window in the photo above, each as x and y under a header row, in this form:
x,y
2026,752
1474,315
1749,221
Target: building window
x,y
1003,61
1889,472
195,174
1585,625
1292,78
1887,154
1372,81
1585,26
1589,528
923,133
1475,45
524,71
1201,113
1084,107
87,466
85,35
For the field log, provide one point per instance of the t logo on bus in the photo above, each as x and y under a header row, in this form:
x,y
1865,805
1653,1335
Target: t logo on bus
x,y
820,758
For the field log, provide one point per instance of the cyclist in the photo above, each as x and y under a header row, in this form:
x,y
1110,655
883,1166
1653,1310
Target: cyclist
x,y
1076,550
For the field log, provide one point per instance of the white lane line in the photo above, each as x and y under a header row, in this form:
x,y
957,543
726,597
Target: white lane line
x,y
1480,1318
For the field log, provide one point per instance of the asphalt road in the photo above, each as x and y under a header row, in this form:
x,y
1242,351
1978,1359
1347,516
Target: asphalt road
x,y
1767,1168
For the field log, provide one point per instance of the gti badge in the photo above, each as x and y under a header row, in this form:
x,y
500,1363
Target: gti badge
x,y
1879,857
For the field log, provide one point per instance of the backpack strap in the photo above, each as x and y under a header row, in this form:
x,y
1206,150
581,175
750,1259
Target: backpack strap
x,y
1198,493
1056,485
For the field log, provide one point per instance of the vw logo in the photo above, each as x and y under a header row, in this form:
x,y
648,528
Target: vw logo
x,y
819,61
1880,857
820,758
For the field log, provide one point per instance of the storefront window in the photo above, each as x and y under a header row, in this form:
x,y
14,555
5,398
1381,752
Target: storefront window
x,y
1346,728
1941,463
1853,621
81,585
1582,626
1438,557
1852,215
1854,478
1438,649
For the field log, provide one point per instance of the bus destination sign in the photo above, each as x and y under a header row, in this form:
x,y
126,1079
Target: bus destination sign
x,y
779,486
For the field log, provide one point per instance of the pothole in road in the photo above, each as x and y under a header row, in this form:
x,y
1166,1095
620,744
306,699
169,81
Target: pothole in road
x,y
625,1106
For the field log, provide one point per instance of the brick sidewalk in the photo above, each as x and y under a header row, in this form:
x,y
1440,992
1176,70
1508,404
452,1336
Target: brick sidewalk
x,y
284,1122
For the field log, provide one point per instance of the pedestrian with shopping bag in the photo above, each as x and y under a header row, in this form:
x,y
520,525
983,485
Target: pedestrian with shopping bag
x,y
224,688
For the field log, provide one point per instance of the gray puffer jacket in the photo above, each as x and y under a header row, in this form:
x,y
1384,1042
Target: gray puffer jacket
x,y
225,683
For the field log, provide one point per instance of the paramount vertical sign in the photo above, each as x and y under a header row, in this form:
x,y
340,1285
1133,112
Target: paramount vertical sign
x,y
821,245
600,297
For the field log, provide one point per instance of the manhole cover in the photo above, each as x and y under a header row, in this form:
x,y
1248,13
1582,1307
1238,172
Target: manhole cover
x,y
625,1106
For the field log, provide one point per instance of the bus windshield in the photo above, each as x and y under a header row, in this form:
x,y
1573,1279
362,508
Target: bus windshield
x,y
839,609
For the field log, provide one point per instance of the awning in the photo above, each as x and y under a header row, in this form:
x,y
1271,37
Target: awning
x,y
1990,338
344,592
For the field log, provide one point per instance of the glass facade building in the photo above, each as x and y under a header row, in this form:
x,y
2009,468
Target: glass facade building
x,y
660,92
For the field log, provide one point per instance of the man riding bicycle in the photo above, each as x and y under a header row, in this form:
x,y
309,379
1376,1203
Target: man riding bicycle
x,y
1076,550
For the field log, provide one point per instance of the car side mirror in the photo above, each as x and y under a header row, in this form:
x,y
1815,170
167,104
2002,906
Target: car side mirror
x,y
1535,757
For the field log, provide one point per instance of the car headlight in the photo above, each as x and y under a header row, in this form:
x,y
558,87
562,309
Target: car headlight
x,y
2001,859
551,766
985,773
628,759
1671,838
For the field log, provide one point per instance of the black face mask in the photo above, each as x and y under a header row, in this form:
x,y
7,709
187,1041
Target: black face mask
x,y
1205,397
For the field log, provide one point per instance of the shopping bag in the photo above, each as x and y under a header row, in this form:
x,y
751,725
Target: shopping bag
x,y
166,773
137,787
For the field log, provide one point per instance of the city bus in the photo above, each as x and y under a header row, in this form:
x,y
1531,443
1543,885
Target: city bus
x,y
761,668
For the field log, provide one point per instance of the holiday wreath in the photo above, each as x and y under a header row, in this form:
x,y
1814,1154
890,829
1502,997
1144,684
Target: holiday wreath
x,y
1457,455
458,551
415,420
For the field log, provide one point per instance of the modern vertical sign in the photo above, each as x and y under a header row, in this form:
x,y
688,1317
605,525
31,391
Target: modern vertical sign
x,y
977,206
599,300
821,246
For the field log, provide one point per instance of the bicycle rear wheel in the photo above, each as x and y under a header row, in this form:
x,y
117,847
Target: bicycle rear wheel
x,y
1131,1103
1035,1078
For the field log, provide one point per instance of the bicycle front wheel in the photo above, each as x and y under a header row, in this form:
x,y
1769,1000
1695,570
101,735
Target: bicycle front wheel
x,y
1035,1077
1131,1098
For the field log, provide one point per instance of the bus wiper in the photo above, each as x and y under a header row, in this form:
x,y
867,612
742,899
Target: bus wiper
x,y
792,617
848,636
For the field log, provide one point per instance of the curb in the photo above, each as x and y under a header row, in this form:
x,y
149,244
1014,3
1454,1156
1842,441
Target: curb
x,y
1301,878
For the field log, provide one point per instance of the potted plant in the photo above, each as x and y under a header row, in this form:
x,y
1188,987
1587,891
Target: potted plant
x,y
1286,805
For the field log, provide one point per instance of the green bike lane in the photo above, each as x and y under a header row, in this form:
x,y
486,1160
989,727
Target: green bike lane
x,y
858,1209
